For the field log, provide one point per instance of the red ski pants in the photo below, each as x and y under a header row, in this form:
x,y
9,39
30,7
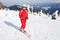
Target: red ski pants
x,y
23,24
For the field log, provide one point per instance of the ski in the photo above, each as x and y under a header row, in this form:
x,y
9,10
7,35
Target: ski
x,y
24,32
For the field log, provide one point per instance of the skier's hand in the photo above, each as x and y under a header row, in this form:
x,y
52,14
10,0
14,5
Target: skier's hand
x,y
21,18
27,18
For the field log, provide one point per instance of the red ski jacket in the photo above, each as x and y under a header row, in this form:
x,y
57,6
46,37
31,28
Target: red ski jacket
x,y
23,14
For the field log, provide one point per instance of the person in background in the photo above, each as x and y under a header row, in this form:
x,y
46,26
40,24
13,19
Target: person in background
x,y
23,15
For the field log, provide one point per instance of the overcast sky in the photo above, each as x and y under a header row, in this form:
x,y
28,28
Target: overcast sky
x,y
20,2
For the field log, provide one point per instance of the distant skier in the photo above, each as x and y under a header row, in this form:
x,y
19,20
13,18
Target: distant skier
x,y
23,14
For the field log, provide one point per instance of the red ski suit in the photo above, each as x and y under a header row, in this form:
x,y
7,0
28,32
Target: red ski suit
x,y
23,14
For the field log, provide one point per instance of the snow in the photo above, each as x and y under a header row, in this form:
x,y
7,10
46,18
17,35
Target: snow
x,y
39,27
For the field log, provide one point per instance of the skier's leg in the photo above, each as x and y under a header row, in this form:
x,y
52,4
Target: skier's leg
x,y
23,22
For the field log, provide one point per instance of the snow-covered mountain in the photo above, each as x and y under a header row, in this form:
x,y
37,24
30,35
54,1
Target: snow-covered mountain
x,y
39,27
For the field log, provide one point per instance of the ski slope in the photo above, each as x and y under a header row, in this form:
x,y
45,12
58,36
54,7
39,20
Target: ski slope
x,y
39,27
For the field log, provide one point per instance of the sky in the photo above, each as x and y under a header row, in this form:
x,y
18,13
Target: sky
x,y
20,2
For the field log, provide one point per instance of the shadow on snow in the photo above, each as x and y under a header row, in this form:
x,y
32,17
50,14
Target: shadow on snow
x,y
11,24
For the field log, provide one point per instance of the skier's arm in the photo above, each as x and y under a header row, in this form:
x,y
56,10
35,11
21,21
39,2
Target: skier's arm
x,y
27,14
20,13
